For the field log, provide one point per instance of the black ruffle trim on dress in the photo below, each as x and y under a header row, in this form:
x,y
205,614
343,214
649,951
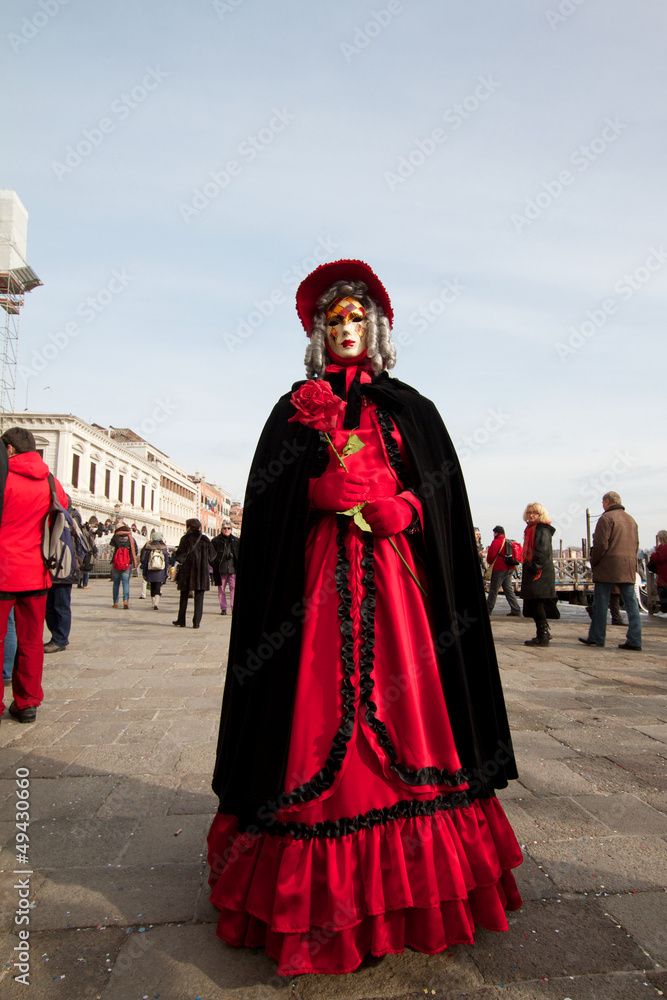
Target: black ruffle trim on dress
x,y
324,779
423,775
405,809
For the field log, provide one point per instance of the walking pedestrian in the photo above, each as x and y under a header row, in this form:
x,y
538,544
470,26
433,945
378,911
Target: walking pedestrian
x,y
502,574
123,552
194,553
155,565
538,576
614,561
225,564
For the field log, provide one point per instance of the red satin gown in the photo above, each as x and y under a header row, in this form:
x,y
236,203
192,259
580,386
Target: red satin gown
x,y
376,861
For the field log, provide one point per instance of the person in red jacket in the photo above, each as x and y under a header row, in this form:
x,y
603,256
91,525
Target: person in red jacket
x,y
658,565
501,575
24,580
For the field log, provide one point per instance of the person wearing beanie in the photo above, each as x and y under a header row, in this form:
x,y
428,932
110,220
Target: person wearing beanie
x,y
155,565
363,729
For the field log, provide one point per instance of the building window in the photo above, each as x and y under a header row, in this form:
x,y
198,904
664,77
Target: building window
x,y
120,489
143,497
91,482
132,492
75,471
152,499
40,452
107,483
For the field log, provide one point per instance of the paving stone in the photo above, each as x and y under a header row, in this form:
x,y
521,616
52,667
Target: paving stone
x,y
194,795
80,842
188,962
604,775
538,746
555,938
135,759
197,759
81,714
91,733
88,897
644,916
561,818
554,699
174,839
652,770
66,966
48,734
203,705
42,762
523,825
514,791
532,881
135,731
600,740
657,800
150,796
66,799
625,813
186,731
551,777
522,718
610,864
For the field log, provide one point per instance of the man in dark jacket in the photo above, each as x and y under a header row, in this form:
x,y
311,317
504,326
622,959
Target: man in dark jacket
x,y
614,561
225,565
24,580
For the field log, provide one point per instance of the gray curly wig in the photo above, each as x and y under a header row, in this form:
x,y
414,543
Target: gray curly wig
x,y
380,349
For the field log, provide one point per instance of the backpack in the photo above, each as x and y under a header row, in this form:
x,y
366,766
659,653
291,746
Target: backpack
x,y
63,545
511,552
155,560
121,558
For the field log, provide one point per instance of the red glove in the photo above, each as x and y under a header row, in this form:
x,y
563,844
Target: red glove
x,y
388,517
338,490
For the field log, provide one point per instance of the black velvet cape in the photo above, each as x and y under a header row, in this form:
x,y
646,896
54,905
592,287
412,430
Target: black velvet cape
x,y
269,608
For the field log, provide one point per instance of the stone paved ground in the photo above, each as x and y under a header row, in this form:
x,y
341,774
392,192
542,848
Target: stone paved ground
x,y
120,762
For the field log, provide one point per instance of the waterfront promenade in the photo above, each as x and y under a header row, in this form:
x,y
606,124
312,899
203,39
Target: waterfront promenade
x,y
120,760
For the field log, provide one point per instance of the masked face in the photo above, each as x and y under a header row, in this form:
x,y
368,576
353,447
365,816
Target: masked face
x,y
346,328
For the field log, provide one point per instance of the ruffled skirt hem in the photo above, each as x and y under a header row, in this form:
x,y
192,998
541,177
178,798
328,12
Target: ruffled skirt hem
x,y
320,905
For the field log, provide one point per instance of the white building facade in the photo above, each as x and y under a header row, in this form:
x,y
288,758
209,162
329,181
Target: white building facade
x,y
102,467
178,496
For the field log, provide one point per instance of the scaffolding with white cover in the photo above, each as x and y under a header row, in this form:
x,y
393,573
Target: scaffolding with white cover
x,y
16,278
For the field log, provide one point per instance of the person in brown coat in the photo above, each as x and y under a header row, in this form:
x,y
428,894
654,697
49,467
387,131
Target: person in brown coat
x,y
614,561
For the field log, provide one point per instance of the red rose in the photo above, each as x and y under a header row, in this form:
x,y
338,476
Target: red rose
x,y
316,405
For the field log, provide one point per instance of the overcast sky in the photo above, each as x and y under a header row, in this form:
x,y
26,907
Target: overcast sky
x,y
499,163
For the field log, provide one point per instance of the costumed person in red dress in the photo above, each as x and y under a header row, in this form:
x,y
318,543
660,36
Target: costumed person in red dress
x,y
363,726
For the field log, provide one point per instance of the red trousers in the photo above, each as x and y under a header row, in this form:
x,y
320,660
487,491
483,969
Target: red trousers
x,y
27,677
